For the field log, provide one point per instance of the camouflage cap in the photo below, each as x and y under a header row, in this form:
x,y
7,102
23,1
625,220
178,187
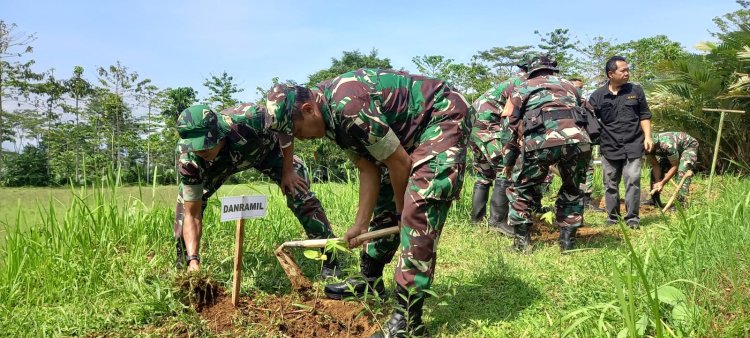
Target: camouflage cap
x,y
542,61
200,128
280,103
526,60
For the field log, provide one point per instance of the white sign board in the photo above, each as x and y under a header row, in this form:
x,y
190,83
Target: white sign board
x,y
239,207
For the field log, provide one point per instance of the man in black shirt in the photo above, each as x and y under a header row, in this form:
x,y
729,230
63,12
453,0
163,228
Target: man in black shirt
x,y
622,108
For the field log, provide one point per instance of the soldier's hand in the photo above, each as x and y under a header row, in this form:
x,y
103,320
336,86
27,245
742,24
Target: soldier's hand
x,y
350,237
657,187
292,184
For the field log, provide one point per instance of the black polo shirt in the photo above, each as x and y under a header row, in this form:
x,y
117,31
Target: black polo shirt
x,y
621,115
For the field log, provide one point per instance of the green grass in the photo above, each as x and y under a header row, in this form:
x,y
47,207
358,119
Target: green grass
x,y
100,260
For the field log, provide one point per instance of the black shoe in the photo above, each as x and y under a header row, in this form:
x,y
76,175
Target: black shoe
x,y
522,238
357,288
479,202
371,281
634,225
331,267
499,208
648,202
181,261
567,238
406,319
503,228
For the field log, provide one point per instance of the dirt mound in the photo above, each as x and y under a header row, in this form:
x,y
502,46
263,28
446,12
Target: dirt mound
x,y
288,316
197,289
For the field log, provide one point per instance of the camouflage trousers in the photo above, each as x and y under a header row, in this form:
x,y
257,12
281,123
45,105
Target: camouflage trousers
x,y
436,179
571,161
306,207
588,186
488,154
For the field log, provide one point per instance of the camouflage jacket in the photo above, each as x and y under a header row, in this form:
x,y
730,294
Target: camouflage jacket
x,y
671,145
369,112
489,124
548,93
249,140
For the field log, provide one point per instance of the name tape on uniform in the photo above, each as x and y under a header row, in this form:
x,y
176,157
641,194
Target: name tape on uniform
x,y
240,207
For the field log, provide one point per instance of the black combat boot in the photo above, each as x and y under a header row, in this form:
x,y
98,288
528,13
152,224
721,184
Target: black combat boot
x,y
479,202
371,281
588,204
331,266
406,319
522,238
567,238
181,260
499,207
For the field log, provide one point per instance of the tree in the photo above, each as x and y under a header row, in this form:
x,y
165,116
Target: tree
x,y
501,61
594,56
349,61
221,91
79,89
433,65
28,168
151,97
560,45
122,85
645,54
14,74
175,101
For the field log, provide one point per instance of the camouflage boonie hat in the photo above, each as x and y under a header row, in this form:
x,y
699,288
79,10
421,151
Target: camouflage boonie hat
x,y
280,103
200,128
542,61
526,60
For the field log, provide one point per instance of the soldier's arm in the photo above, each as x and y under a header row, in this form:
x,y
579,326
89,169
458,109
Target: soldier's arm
x,y
655,167
399,166
512,149
369,188
291,183
192,196
674,165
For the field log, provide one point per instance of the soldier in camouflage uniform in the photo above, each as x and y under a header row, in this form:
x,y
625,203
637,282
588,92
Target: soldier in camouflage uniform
x,y
673,152
488,135
545,109
415,126
215,146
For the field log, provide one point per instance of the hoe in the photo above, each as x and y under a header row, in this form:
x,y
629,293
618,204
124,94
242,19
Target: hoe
x,y
292,270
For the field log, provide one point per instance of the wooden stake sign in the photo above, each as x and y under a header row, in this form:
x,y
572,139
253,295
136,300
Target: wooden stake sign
x,y
239,208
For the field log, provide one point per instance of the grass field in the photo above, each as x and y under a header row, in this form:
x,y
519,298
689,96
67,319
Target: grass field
x,y
98,262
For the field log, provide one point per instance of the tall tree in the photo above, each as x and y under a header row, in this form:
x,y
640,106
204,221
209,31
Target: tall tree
x,y
349,61
221,91
433,65
123,84
79,89
561,45
151,97
14,74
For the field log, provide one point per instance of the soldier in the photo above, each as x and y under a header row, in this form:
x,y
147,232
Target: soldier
x,y
673,152
488,135
415,126
545,109
212,148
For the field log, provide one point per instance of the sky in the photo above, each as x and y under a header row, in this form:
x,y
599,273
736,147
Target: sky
x,y
181,43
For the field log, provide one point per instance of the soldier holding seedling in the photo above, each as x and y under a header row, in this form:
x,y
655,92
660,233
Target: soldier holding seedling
x,y
673,153
546,110
213,147
415,126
